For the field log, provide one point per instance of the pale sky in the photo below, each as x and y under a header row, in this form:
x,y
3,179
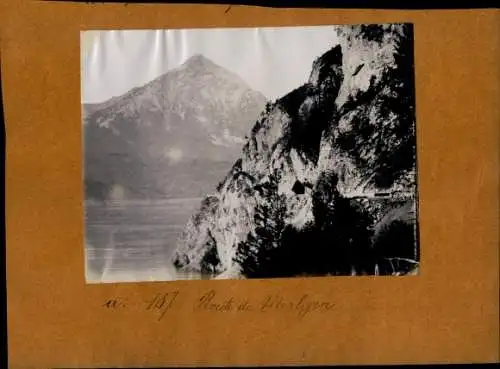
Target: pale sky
x,y
273,61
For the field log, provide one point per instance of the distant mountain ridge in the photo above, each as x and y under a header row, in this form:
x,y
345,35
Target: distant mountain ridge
x,y
189,123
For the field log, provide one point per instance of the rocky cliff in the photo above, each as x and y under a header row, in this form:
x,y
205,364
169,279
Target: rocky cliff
x,y
326,182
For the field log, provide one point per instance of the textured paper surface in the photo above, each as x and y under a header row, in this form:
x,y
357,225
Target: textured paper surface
x,y
447,314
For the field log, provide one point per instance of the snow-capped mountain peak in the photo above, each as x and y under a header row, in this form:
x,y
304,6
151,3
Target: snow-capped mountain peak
x,y
198,109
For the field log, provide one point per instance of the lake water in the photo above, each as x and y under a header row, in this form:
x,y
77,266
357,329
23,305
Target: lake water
x,y
133,240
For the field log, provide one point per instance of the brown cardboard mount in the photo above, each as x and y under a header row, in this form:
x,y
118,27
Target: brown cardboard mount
x,y
447,314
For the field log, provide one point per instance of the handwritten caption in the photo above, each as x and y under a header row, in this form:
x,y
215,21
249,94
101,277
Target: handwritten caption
x,y
211,301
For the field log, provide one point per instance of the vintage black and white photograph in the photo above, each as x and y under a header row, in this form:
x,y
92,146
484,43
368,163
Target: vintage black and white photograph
x,y
238,153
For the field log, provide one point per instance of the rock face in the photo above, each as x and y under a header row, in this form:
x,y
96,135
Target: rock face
x,y
173,137
326,182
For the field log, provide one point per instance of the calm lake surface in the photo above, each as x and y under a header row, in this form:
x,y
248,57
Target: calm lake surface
x,y
133,240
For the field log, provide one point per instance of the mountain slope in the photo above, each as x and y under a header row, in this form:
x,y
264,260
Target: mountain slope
x,y
321,169
188,124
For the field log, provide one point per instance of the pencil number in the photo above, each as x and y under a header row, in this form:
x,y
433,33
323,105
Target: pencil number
x,y
161,303
113,304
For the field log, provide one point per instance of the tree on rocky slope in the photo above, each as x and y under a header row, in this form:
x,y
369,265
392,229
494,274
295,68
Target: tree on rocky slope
x,y
336,243
210,262
254,255
342,231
